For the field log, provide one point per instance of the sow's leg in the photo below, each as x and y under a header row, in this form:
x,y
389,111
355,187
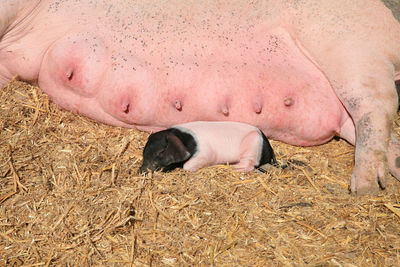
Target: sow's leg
x,y
372,103
9,11
358,49
347,132
14,14
365,85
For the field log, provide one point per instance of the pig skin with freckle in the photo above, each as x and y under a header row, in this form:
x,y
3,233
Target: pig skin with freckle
x,y
199,144
300,71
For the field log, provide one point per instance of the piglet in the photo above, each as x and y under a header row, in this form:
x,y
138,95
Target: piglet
x,y
198,144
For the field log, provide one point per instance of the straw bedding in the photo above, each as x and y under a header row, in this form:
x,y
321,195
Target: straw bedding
x,y
71,195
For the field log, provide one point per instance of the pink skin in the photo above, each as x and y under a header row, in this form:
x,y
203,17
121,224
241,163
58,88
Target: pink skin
x,y
301,71
224,142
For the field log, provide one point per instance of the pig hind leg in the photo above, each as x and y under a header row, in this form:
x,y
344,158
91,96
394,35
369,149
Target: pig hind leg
x,y
394,146
250,149
357,50
398,93
394,156
372,104
347,132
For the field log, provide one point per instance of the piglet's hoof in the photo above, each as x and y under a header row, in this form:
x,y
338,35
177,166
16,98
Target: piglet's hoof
x,y
244,165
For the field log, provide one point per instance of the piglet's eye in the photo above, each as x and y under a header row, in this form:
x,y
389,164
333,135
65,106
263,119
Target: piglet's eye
x,y
159,153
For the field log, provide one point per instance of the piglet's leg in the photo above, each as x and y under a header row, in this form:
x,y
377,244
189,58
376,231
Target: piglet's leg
x,y
196,163
250,149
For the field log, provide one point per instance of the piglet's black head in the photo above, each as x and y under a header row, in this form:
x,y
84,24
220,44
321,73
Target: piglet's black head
x,y
164,151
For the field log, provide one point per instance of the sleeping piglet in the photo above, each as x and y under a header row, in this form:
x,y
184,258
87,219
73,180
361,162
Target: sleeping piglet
x,y
203,143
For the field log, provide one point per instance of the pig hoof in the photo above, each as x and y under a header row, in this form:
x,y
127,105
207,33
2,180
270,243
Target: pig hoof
x,y
245,166
368,177
363,187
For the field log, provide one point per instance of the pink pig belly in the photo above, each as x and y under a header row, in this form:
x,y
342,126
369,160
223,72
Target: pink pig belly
x,y
237,71
271,85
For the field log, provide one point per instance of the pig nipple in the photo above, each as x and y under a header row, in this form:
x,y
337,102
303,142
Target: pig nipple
x,y
126,109
288,101
257,107
125,106
225,110
224,106
69,75
178,105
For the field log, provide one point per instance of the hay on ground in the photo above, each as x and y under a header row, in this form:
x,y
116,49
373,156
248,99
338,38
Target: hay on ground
x,y
70,194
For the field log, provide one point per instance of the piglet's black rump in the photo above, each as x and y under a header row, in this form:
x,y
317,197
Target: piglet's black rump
x,y
267,153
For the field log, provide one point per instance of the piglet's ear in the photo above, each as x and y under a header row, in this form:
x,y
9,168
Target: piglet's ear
x,y
176,151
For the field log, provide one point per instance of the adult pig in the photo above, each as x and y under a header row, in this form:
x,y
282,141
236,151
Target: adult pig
x,y
301,71
198,144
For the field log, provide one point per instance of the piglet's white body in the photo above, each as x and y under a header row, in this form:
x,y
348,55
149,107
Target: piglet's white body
x,y
224,142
